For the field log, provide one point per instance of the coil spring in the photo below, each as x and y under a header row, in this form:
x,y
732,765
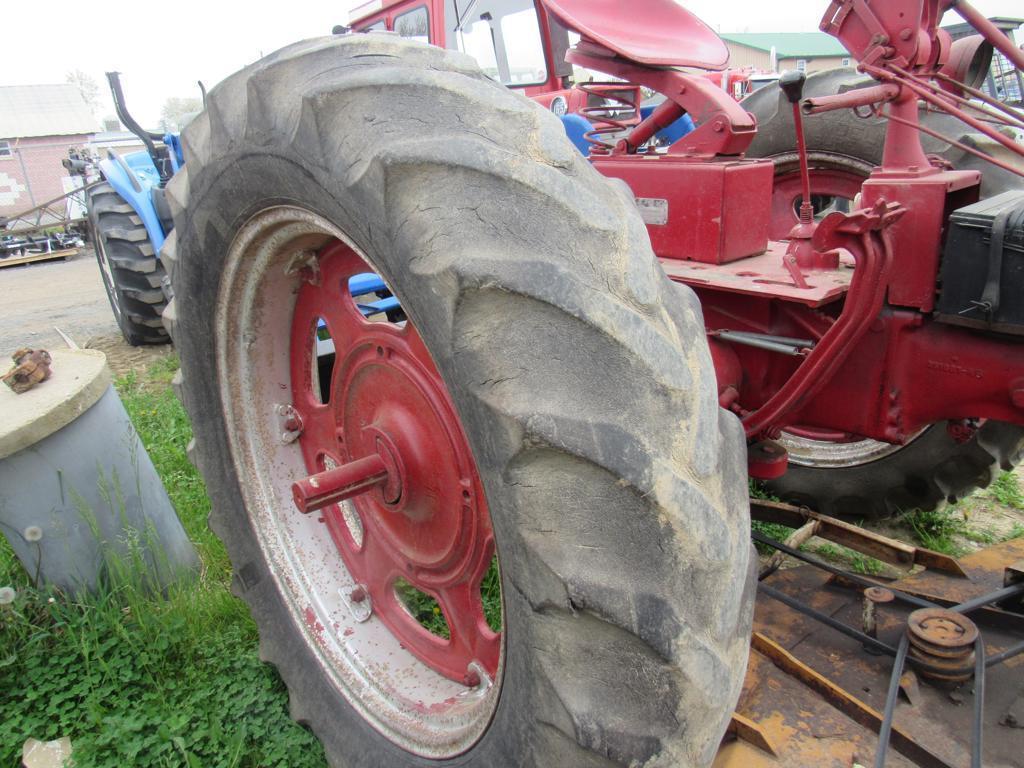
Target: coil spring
x,y
614,95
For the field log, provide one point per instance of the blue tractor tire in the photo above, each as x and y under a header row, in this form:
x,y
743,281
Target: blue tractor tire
x,y
132,274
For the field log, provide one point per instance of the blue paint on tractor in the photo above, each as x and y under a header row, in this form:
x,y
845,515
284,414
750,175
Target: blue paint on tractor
x,y
134,177
672,133
576,127
364,283
173,143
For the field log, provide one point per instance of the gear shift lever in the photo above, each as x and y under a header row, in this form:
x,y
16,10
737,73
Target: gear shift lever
x,y
801,252
792,84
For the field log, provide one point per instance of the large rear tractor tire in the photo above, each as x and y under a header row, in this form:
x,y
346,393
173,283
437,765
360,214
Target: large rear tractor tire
x,y
129,267
550,398
868,479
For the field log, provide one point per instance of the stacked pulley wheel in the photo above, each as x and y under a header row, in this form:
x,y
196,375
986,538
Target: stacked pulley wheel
x,y
942,644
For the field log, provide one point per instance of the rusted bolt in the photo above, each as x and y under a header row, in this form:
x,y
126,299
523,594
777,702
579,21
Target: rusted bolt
x,y
719,125
873,597
471,679
289,421
357,595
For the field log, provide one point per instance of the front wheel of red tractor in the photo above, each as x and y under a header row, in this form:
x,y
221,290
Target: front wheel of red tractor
x,y
541,411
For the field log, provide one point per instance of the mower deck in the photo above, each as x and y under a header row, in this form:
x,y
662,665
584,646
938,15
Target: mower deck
x,y
814,697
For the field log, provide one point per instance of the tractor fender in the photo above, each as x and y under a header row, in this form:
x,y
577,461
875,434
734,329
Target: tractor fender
x,y
133,177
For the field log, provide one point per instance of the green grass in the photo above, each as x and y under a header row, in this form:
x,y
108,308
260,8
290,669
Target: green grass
x,y
427,611
855,561
937,529
142,679
1006,491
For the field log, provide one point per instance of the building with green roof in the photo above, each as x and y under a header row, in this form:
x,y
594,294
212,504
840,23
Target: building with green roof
x,y
779,51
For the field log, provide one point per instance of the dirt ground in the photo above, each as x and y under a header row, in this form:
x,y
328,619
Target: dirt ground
x,y
36,298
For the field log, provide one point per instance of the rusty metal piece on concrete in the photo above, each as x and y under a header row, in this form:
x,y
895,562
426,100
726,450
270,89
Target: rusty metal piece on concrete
x,y
942,644
873,597
746,729
845,702
856,538
31,366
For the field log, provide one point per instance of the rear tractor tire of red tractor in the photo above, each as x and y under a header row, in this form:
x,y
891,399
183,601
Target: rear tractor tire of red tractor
x,y
865,478
549,400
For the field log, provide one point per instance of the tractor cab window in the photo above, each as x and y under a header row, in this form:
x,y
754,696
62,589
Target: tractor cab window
x,y
504,37
377,26
414,25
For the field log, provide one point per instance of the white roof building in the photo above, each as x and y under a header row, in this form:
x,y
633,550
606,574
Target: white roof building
x,y
44,110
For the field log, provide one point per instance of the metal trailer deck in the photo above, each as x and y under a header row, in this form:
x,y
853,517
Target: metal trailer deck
x,y
815,696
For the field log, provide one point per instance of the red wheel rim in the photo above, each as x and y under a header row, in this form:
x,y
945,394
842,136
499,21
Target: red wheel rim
x,y
429,524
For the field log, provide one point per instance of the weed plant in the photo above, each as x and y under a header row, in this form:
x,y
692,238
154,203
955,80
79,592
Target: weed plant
x,y
1007,491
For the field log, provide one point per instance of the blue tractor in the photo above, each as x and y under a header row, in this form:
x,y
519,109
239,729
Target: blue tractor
x,y
130,220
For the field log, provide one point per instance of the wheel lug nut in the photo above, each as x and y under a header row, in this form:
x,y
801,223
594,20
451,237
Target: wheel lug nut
x,y
472,679
357,595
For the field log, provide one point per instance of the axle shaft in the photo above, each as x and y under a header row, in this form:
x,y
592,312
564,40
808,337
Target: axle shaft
x,y
336,485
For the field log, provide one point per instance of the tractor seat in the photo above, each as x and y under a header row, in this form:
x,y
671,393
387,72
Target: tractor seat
x,y
659,33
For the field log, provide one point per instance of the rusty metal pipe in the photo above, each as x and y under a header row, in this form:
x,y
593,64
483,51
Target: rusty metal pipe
x,y
336,485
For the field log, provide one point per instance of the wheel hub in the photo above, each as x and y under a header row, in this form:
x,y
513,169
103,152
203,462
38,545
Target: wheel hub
x,y
390,441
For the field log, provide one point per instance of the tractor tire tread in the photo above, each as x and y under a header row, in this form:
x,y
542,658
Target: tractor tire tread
x,y
669,587
931,471
122,242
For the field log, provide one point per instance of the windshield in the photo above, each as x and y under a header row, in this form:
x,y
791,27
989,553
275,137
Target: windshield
x,y
504,37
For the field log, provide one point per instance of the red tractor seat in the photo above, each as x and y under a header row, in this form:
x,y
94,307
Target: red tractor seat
x,y
658,33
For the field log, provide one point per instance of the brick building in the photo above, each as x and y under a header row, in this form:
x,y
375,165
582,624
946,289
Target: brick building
x,y
38,124
779,51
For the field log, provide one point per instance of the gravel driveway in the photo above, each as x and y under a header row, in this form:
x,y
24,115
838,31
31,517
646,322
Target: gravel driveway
x,y
69,295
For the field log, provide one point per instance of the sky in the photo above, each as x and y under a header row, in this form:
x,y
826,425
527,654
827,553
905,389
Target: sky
x,y
213,39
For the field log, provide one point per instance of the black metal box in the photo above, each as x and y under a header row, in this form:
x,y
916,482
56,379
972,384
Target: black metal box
x,y
982,283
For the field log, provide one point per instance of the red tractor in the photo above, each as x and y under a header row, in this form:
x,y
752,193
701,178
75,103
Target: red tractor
x,y
435,356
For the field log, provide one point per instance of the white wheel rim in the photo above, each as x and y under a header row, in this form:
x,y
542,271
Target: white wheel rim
x,y
410,704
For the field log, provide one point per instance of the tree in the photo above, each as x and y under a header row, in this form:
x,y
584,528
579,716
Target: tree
x,y
87,86
177,111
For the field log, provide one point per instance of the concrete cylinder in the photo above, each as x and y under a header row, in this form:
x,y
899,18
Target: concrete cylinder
x,y
78,492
